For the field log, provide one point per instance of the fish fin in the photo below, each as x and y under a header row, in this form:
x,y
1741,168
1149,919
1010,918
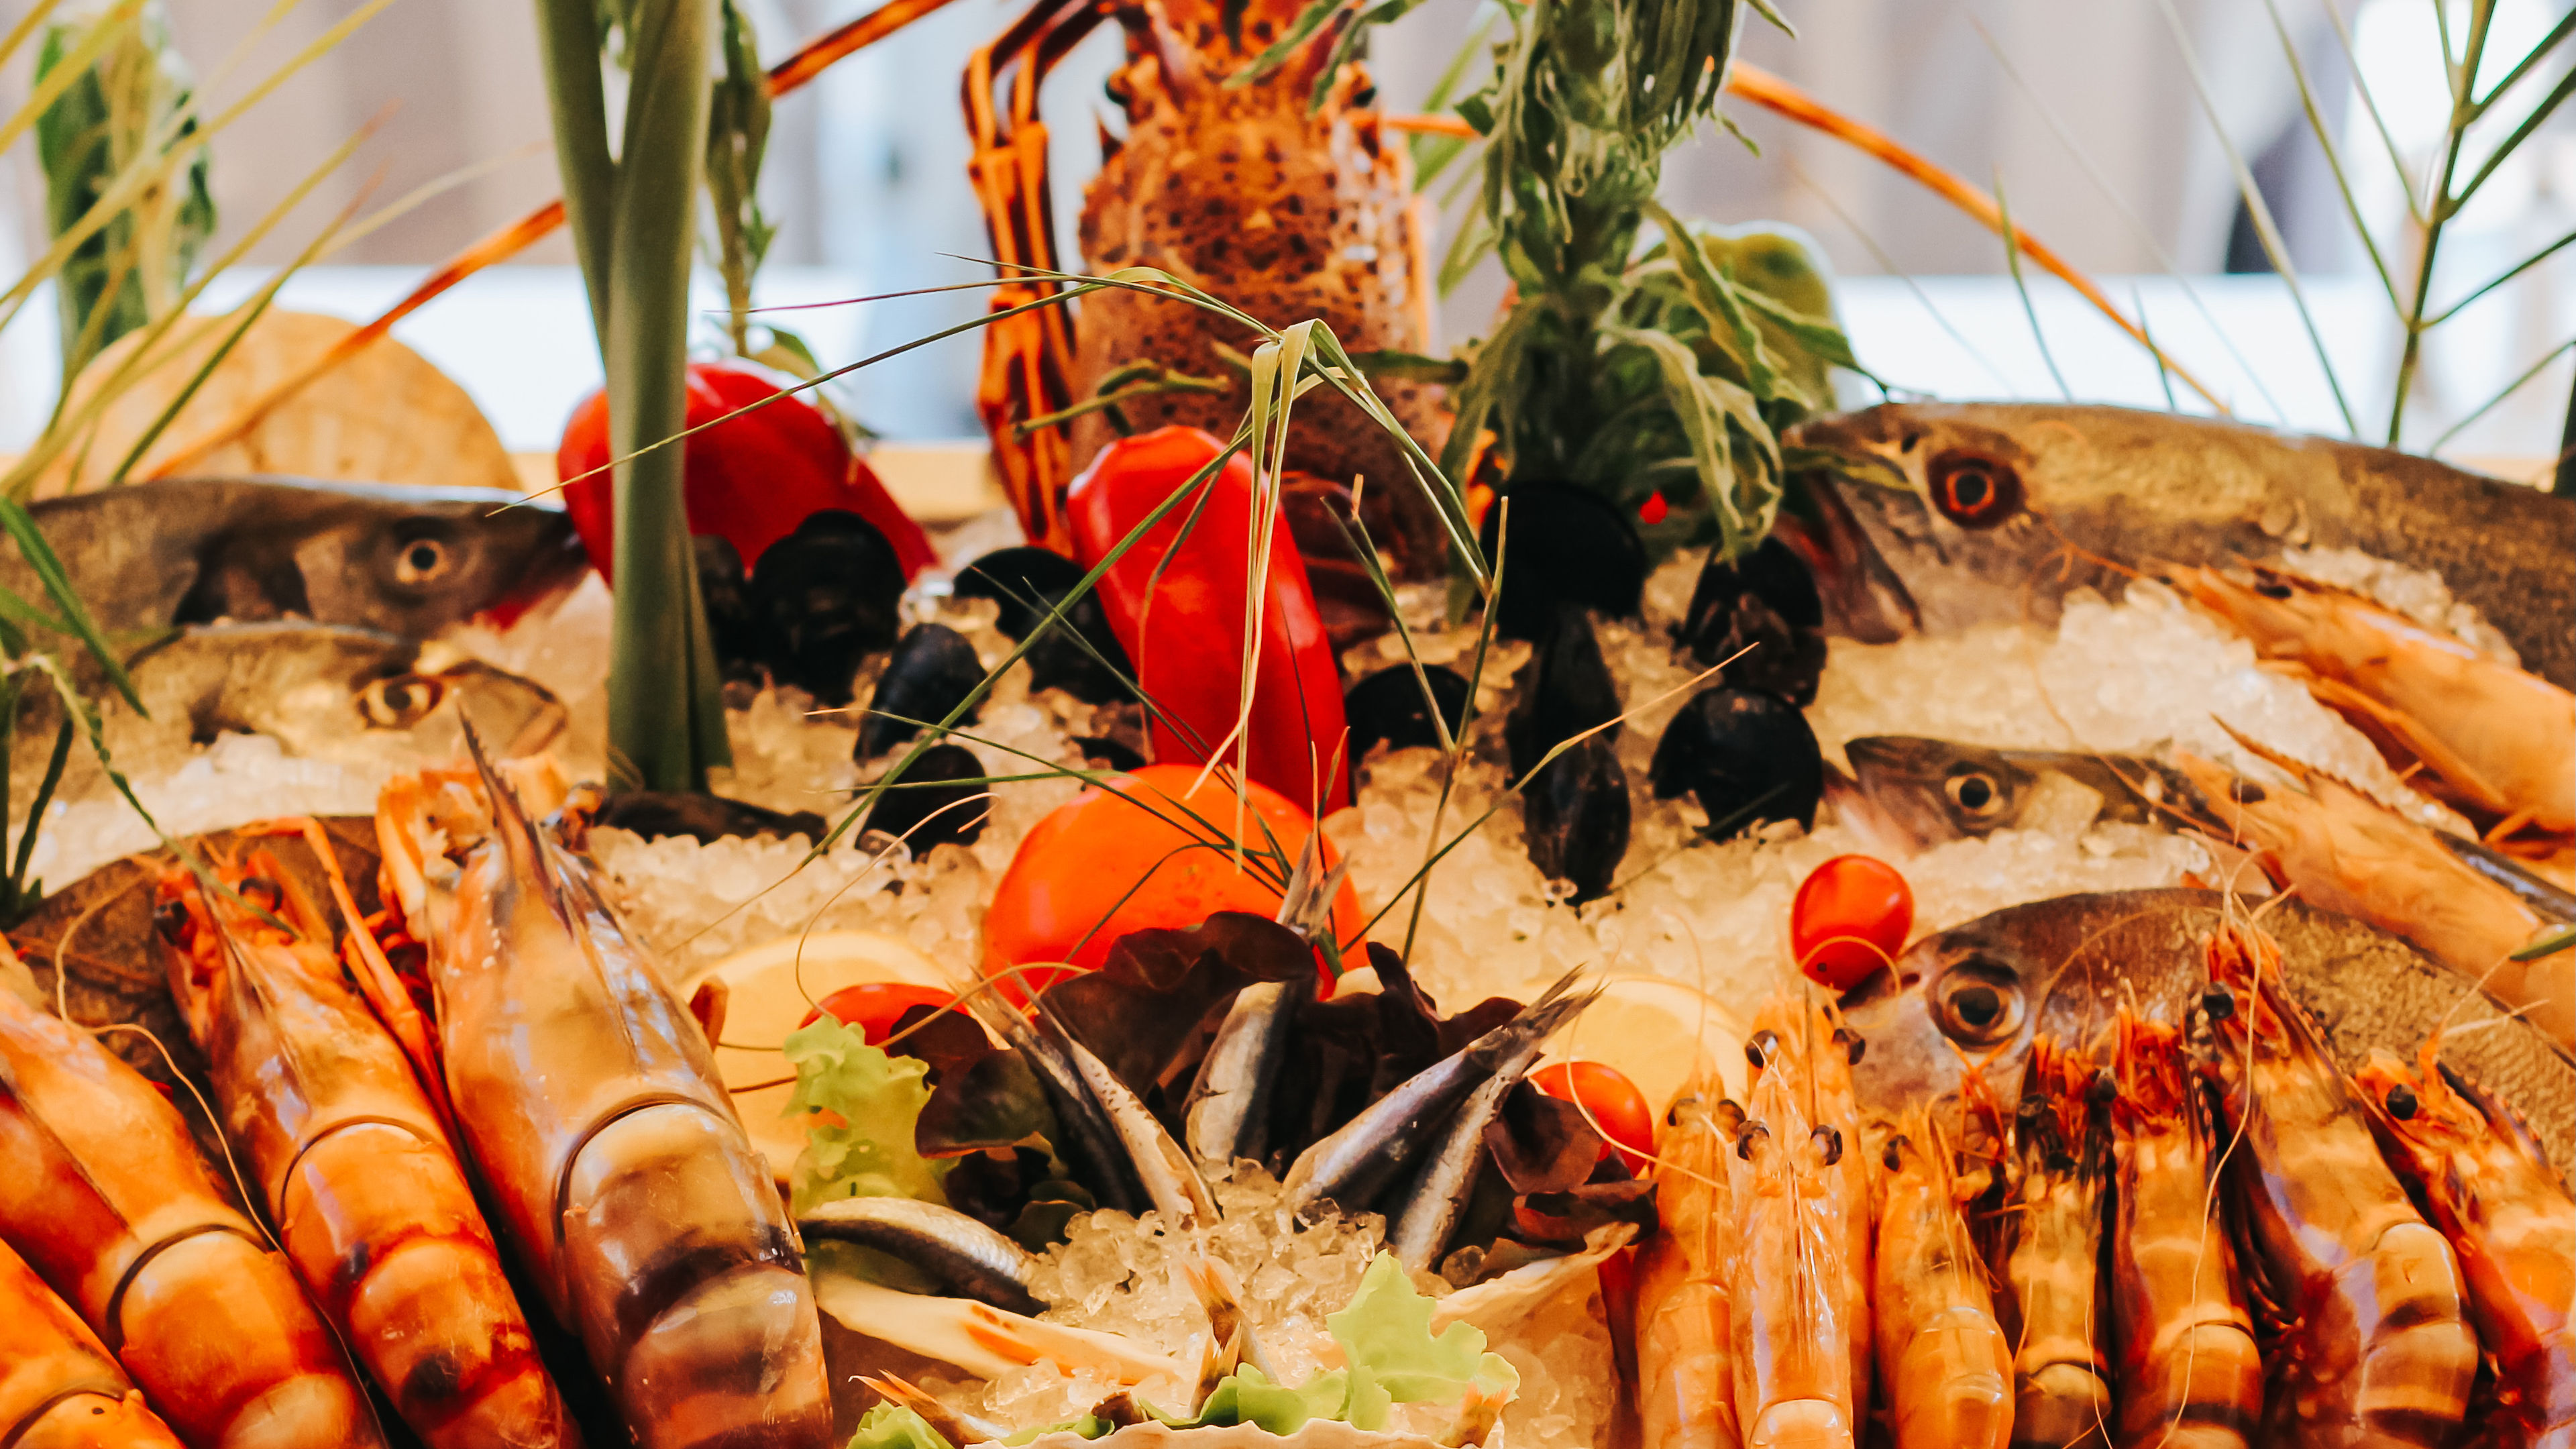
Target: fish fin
x,y
517,833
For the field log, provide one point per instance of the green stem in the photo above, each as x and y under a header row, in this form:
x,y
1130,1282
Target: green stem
x,y
2440,206
568,42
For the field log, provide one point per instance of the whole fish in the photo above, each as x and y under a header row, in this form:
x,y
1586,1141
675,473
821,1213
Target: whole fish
x,y
408,561
1227,1115
952,1247
322,691
2007,507
2061,967
1933,791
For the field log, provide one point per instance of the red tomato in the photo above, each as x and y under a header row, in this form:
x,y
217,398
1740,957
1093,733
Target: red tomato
x,y
751,480
1850,917
1177,604
875,1006
1101,866
1617,1109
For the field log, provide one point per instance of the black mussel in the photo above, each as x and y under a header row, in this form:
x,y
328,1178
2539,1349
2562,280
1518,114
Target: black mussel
x,y
1388,707
1576,816
1763,612
1568,545
1110,750
932,669
1029,581
1565,689
1748,756
654,814
824,598
726,592
925,793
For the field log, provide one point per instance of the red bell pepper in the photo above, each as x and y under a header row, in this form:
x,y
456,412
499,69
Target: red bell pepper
x,y
751,480
1184,630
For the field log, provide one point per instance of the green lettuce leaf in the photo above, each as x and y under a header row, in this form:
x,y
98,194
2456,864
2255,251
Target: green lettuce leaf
x,y
888,1426
1393,1357
869,1152
1247,1396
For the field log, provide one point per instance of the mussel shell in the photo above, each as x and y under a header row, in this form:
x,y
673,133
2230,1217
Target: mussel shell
x,y
1763,612
1568,545
932,670
1388,708
725,591
654,814
823,599
1748,756
1565,689
1575,814
1029,581
924,791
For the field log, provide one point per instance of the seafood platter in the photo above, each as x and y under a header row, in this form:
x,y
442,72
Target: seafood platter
x,y
1607,889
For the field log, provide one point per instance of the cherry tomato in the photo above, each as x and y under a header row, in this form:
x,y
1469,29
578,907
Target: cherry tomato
x,y
875,1006
751,480
1850,917
1617,1109
1101,866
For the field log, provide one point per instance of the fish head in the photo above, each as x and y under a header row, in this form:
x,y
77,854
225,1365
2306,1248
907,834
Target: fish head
x,y
1934,790
407,561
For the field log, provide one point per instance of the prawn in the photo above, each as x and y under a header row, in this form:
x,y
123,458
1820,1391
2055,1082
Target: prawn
x,y
352,1163
2375,1340
1823,1049
588,1098
1942,1360
2509,1218
2052,1258
2499,739
1685,1377
108,1199
59,1386
1792,1352
2188,1373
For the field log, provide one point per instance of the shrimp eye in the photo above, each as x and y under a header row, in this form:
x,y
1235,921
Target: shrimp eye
x,y
421,561
1976,793
2246,792
171,919
2401,1102
2102,1089
1973,491
1894,1157
1832,1138
2218,1004
2271,590
1762,1048
260,891
1859,1048
1744,1139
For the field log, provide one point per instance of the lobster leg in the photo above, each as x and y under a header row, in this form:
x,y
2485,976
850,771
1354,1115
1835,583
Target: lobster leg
x,y
1028,357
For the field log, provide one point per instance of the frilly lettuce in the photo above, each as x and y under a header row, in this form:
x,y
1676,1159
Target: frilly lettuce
x,y
877,1099
890,1426
1392,1356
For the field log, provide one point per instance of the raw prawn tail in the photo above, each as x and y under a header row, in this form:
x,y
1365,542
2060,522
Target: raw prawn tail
x,y
1944,1367
2187,1372
109,1201
352,1162
1685,1354
1812,1040
1791,1346
589,1100
2368,1299
59,1386
2052,1305
2475,1167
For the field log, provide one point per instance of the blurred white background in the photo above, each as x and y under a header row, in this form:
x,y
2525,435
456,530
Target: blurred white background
x,y
2085,111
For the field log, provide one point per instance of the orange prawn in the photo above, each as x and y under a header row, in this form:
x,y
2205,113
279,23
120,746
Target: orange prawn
x,y
1685,1373
1792,1348
1942,1360
2052,1264
59,1386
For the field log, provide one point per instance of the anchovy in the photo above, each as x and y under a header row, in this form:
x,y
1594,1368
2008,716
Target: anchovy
x,y
1984,990
1350,1167
1092,1143
2005,508
1227,1115
1428,1215
2543,896
408,561
1171,1182
974,1260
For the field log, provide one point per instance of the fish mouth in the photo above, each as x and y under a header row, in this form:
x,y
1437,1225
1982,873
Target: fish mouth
x,y
553,567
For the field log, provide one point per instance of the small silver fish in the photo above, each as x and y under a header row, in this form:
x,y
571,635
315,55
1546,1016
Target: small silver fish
x,y
2005,508
959,1251
1422,1224
1227,1114
1935,790
1360,1159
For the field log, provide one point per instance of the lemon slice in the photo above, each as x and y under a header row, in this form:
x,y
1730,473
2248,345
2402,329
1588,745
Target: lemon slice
x,y
769,988
1658,1032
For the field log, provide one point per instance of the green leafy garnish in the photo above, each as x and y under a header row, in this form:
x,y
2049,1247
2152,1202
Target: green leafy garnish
x,y
1393,1356
890,1426
877,1098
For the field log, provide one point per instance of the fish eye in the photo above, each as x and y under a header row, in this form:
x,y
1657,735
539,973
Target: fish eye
x,y
420,561
1974,791
400,702
1978,1003
1973,491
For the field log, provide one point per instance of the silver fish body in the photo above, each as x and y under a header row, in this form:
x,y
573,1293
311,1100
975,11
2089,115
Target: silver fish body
x,y
961,1252
405,560
1982,991
1418,1231
1226,1117
2008,507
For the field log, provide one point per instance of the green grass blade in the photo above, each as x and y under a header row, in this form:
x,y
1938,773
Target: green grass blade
x,y
40,556
2021,288
2324,135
